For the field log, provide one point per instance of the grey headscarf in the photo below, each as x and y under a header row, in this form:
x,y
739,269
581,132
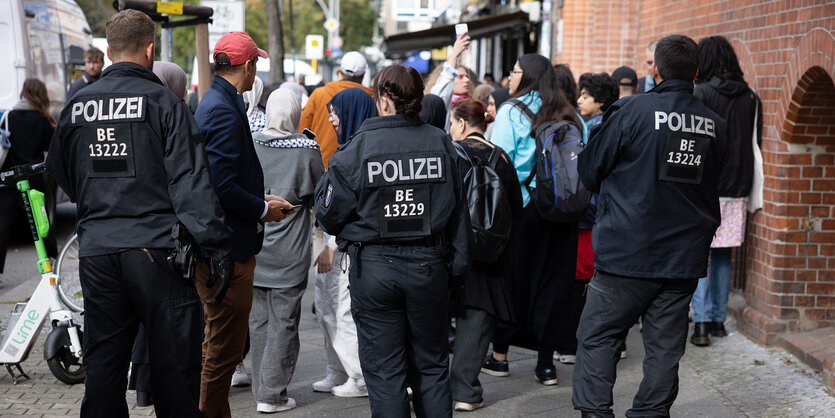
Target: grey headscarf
x,y
295,88
172,76
284,109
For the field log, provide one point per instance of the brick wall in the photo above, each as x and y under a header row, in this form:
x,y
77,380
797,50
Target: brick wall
x,y
787,51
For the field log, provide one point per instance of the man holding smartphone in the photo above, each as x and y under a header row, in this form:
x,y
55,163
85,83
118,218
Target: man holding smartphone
x,y
239,183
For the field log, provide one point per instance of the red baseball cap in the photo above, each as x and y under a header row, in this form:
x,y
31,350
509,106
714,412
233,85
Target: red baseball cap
x,y
239,47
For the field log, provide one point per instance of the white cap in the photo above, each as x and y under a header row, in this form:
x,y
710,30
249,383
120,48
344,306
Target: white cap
x,y
353,64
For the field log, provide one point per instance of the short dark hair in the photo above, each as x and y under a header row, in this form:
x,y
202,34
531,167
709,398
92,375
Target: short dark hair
x,y
601,87
222,67
716,58
404,86
677,56
128,32
94,54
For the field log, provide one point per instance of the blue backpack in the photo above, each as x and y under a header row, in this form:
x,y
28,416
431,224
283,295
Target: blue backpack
x,y
559,195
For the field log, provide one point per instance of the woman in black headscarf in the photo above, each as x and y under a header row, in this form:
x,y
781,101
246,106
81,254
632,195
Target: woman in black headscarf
x,y
348,109
433,111
494,101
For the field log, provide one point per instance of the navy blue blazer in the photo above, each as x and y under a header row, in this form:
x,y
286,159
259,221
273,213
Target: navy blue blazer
x,y
236,172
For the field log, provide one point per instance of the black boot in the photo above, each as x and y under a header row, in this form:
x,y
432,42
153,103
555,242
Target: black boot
x,y
717,329
701,336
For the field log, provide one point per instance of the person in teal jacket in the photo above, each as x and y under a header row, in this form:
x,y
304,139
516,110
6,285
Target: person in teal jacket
x,y
542,255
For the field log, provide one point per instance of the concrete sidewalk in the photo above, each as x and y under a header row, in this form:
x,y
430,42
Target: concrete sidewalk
x,y
723,380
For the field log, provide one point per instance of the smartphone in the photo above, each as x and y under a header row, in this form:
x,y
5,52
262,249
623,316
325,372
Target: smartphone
x,y
461,30
308,133
285,210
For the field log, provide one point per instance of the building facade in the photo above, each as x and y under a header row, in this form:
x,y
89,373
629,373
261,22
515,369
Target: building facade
x,y
787,51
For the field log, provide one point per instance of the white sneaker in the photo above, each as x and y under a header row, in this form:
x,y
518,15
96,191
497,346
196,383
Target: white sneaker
x,y
350,389
465,406
326,384
565,358
269,408
241,377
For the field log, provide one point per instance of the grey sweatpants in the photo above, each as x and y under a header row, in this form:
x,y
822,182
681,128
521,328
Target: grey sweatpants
x,y
274,335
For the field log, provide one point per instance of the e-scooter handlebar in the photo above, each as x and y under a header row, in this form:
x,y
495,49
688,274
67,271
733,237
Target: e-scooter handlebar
x,y
20,172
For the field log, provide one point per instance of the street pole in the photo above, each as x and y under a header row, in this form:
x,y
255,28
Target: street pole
x,y
292,43
201,39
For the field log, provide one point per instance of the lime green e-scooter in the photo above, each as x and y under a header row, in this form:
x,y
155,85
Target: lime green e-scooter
x,y
62,349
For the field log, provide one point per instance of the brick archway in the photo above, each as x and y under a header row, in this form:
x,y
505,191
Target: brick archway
x,y
814,50
792,281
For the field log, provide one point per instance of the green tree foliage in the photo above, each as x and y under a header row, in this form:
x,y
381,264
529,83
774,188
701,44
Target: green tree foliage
x,y
356,23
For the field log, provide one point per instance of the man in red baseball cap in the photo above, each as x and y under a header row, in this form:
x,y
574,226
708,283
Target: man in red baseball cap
x,y
239,183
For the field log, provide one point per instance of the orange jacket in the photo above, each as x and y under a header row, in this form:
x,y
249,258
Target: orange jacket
x,y
315,115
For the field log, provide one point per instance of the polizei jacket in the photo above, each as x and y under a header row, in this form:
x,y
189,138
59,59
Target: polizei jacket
x,y
396,181
129,153
655,160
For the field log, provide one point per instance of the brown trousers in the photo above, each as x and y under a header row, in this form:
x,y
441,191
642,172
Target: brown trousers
x,y
225,335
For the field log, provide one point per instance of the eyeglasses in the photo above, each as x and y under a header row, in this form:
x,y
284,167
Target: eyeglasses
x,y
516,72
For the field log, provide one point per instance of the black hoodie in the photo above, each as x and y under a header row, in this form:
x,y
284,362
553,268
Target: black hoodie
x,y
732,99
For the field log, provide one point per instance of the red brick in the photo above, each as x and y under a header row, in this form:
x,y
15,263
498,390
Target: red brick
x,y
826,301
820,212
815,314
810,198
823,185
820,288
806,276
824,159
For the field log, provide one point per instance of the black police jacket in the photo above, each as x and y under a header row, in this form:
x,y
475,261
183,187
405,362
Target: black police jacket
x,y
396,181
129,153
731,98
655,160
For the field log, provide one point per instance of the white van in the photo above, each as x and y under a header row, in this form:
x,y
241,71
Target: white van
x,y
44,39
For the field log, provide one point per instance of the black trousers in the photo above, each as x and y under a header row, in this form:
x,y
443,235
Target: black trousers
x,y
613,304
399,301
543,260
120,291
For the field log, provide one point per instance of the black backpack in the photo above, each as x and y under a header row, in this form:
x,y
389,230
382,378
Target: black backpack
x,y
490,212
559,196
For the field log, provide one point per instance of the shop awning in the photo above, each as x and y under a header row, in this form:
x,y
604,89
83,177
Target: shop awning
x,y
440,36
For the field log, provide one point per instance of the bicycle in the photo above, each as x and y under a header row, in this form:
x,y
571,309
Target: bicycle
x,y
62,348
69,283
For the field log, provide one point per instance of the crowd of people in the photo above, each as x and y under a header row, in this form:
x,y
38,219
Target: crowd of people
x,y
379,176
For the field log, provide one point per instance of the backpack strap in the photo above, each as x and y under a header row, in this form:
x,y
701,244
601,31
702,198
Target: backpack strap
x,y
523,107
461,153
495,154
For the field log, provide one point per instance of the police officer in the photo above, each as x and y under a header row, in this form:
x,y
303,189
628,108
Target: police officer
x,y
129,153
392,196
655,160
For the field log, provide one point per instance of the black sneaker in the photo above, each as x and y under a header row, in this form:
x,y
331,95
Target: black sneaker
x,y
701,336
717,329
546,375
495,367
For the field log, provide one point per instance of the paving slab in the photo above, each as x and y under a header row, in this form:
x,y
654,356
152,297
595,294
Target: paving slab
x,y
723,380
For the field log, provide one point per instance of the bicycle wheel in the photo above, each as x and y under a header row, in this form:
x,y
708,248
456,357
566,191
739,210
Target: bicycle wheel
x,y
69,284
